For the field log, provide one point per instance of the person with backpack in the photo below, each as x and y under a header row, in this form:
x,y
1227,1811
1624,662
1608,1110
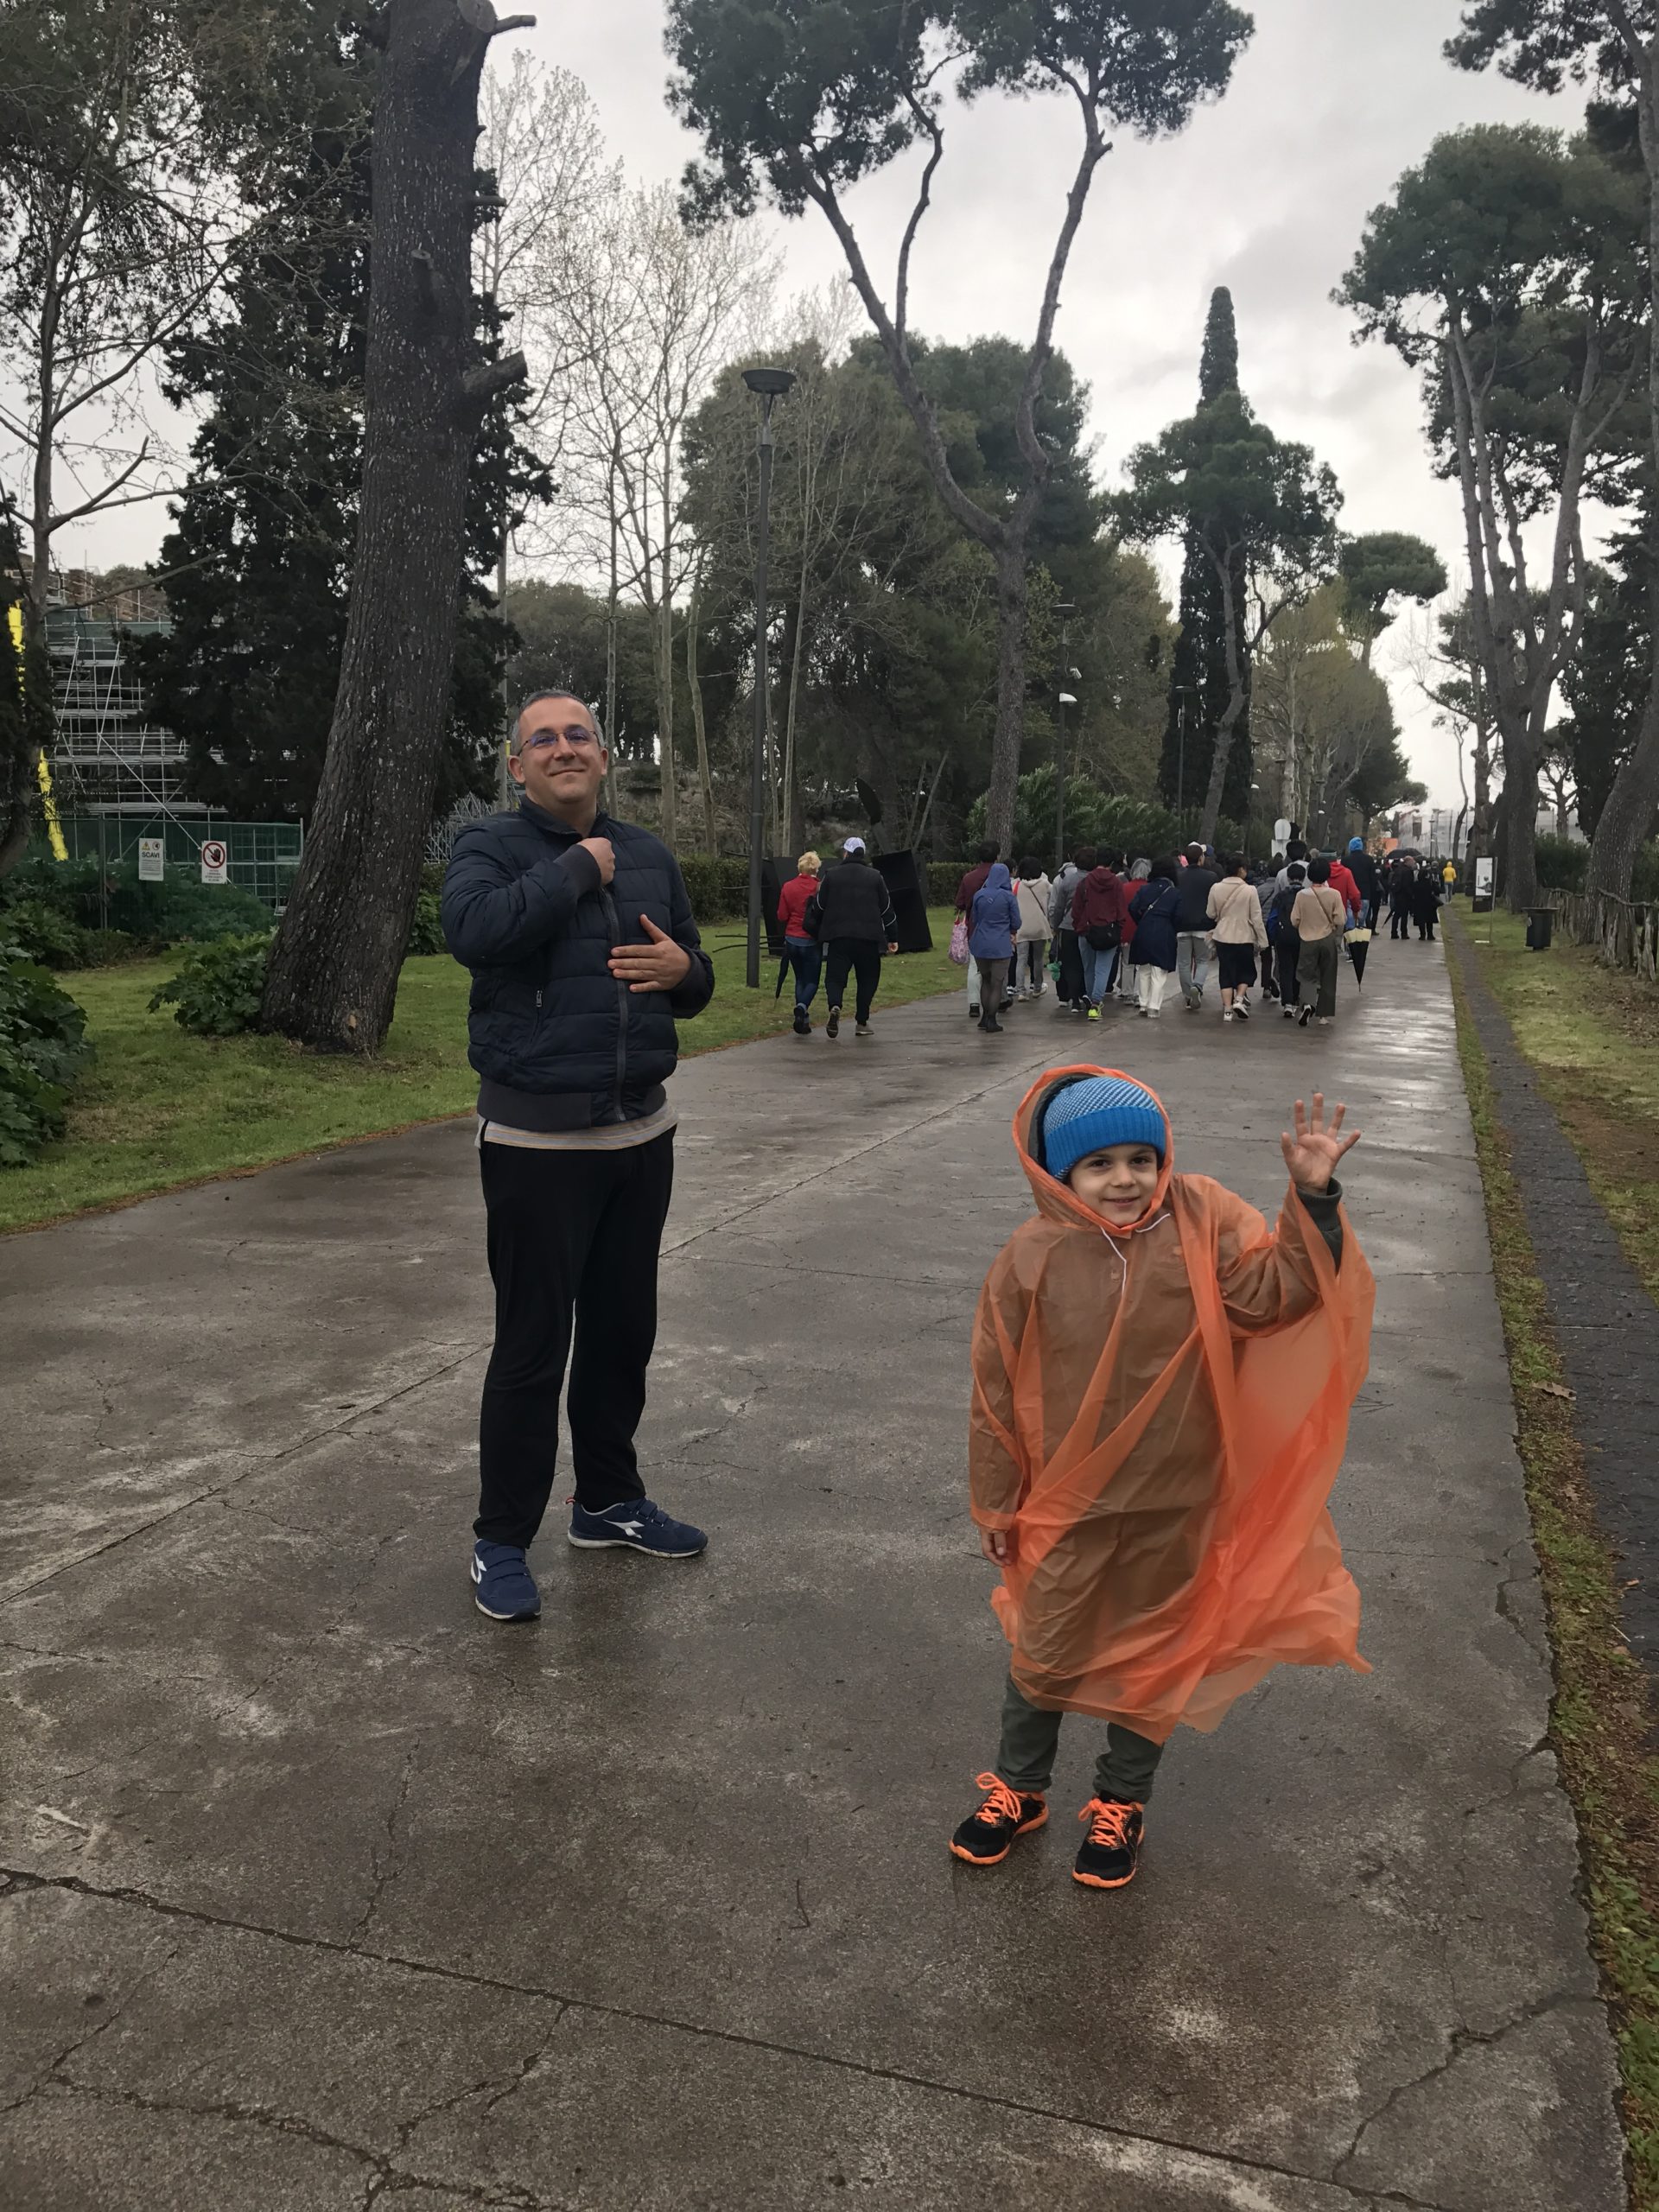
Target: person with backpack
x,y
1034,891
1070,984
1154,910
1100,911
994,927
1281,928
856,921
967,890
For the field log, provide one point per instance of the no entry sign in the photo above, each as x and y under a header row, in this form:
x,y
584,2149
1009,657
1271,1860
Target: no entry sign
x,y
213,859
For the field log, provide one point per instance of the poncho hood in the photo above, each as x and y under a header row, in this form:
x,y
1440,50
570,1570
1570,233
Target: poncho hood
x,y
1057,1201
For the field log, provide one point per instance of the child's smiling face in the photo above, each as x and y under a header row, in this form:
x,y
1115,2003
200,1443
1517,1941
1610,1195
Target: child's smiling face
x,y
1118,1182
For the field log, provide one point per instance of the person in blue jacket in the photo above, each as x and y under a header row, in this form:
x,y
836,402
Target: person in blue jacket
x,y
579,935
993,925
1155,910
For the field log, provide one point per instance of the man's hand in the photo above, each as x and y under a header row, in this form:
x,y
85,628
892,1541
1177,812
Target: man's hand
x,y
893,948
659,966
997,1544
1311,1155
604,853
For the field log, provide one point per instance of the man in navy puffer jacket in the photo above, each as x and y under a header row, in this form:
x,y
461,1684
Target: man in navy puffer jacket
x,y
579,935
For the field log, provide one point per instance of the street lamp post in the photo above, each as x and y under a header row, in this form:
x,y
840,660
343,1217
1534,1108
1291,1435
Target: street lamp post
x,y
1064,608
768,385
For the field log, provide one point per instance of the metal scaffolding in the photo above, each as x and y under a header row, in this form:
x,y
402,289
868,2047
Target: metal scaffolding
x,y
107,756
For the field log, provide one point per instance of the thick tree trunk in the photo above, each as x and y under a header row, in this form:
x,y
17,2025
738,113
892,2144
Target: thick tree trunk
x,y
1232,714
1627,816
1008,740
1517,808
334,966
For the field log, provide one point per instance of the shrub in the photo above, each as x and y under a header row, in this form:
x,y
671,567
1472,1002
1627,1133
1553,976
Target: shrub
x,y
426,931
182,907
43,1049
718,889
46,935
218,990
1562,865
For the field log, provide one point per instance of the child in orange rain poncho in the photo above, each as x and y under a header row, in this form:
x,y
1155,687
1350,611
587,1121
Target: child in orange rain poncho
x,y
1161,1392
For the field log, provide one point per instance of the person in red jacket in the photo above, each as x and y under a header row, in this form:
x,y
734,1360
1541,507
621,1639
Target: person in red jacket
x,y
1100,914
801,947
1343,883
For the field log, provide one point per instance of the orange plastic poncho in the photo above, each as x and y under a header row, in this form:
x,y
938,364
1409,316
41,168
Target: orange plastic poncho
x,y
1159,1415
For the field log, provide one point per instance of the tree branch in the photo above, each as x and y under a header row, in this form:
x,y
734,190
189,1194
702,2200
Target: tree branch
x,y
1094,151
990,530
928,122
479,385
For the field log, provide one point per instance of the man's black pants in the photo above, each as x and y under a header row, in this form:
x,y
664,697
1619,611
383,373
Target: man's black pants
x,y
574,1239
863,955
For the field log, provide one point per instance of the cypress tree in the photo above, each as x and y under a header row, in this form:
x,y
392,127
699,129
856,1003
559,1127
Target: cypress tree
x,y
1199,683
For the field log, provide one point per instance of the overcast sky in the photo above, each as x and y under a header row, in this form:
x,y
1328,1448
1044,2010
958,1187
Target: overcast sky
x,y
1267,191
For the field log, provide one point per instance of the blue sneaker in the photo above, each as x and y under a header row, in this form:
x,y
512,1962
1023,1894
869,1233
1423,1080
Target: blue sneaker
x,y
637,1526
502,1588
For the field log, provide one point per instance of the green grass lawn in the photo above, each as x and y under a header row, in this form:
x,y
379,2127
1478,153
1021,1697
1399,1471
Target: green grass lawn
x,y
1593,1036
159,1107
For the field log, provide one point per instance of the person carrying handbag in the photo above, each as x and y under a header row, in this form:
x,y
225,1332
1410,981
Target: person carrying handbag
x,y
1034,891
1100,914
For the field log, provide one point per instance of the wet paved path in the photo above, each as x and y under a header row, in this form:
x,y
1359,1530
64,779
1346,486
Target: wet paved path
x,y
323,1893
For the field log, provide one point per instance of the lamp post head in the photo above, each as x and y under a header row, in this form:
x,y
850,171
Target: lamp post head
x,y
1068,699
772,384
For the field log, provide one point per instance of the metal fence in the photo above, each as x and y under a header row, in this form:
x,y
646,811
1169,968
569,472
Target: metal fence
x,y
1625,935
261,856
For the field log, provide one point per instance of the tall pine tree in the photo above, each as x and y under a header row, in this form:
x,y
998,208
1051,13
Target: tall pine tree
x,y
1199,684
258,564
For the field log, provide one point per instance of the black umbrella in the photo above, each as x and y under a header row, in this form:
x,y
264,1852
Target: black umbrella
x,y
1359,951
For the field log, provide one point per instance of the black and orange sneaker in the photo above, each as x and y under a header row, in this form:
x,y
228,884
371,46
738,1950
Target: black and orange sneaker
x,y
1109,1854
985,1837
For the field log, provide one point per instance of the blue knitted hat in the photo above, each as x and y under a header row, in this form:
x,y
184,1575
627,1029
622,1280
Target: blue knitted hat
x,y
1099,1111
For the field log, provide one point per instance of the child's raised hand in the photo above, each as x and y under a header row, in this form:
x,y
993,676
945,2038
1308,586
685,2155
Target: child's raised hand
x,y
1312,1154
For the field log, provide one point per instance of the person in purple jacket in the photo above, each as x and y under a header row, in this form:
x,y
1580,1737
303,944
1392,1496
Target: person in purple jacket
x,y
993,926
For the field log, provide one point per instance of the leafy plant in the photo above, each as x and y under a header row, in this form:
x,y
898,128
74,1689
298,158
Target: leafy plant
x,y
218,990
426,931
44,934
43,1049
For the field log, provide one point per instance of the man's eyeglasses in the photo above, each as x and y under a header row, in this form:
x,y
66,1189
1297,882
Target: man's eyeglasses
x,y
542,740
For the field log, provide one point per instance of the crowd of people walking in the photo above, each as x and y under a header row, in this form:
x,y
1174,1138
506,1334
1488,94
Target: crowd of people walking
x,y
1112,932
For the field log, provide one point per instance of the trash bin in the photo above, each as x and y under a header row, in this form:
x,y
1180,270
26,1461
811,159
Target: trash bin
x,y
1540,928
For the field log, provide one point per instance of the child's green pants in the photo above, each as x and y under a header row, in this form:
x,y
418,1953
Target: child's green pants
x,y
1031,1737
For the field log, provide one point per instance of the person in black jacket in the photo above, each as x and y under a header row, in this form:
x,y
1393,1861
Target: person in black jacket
x,y
579,935
856,921
1198,881
1368,878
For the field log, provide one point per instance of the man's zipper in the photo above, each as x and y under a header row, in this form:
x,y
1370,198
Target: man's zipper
x,y
621,1006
